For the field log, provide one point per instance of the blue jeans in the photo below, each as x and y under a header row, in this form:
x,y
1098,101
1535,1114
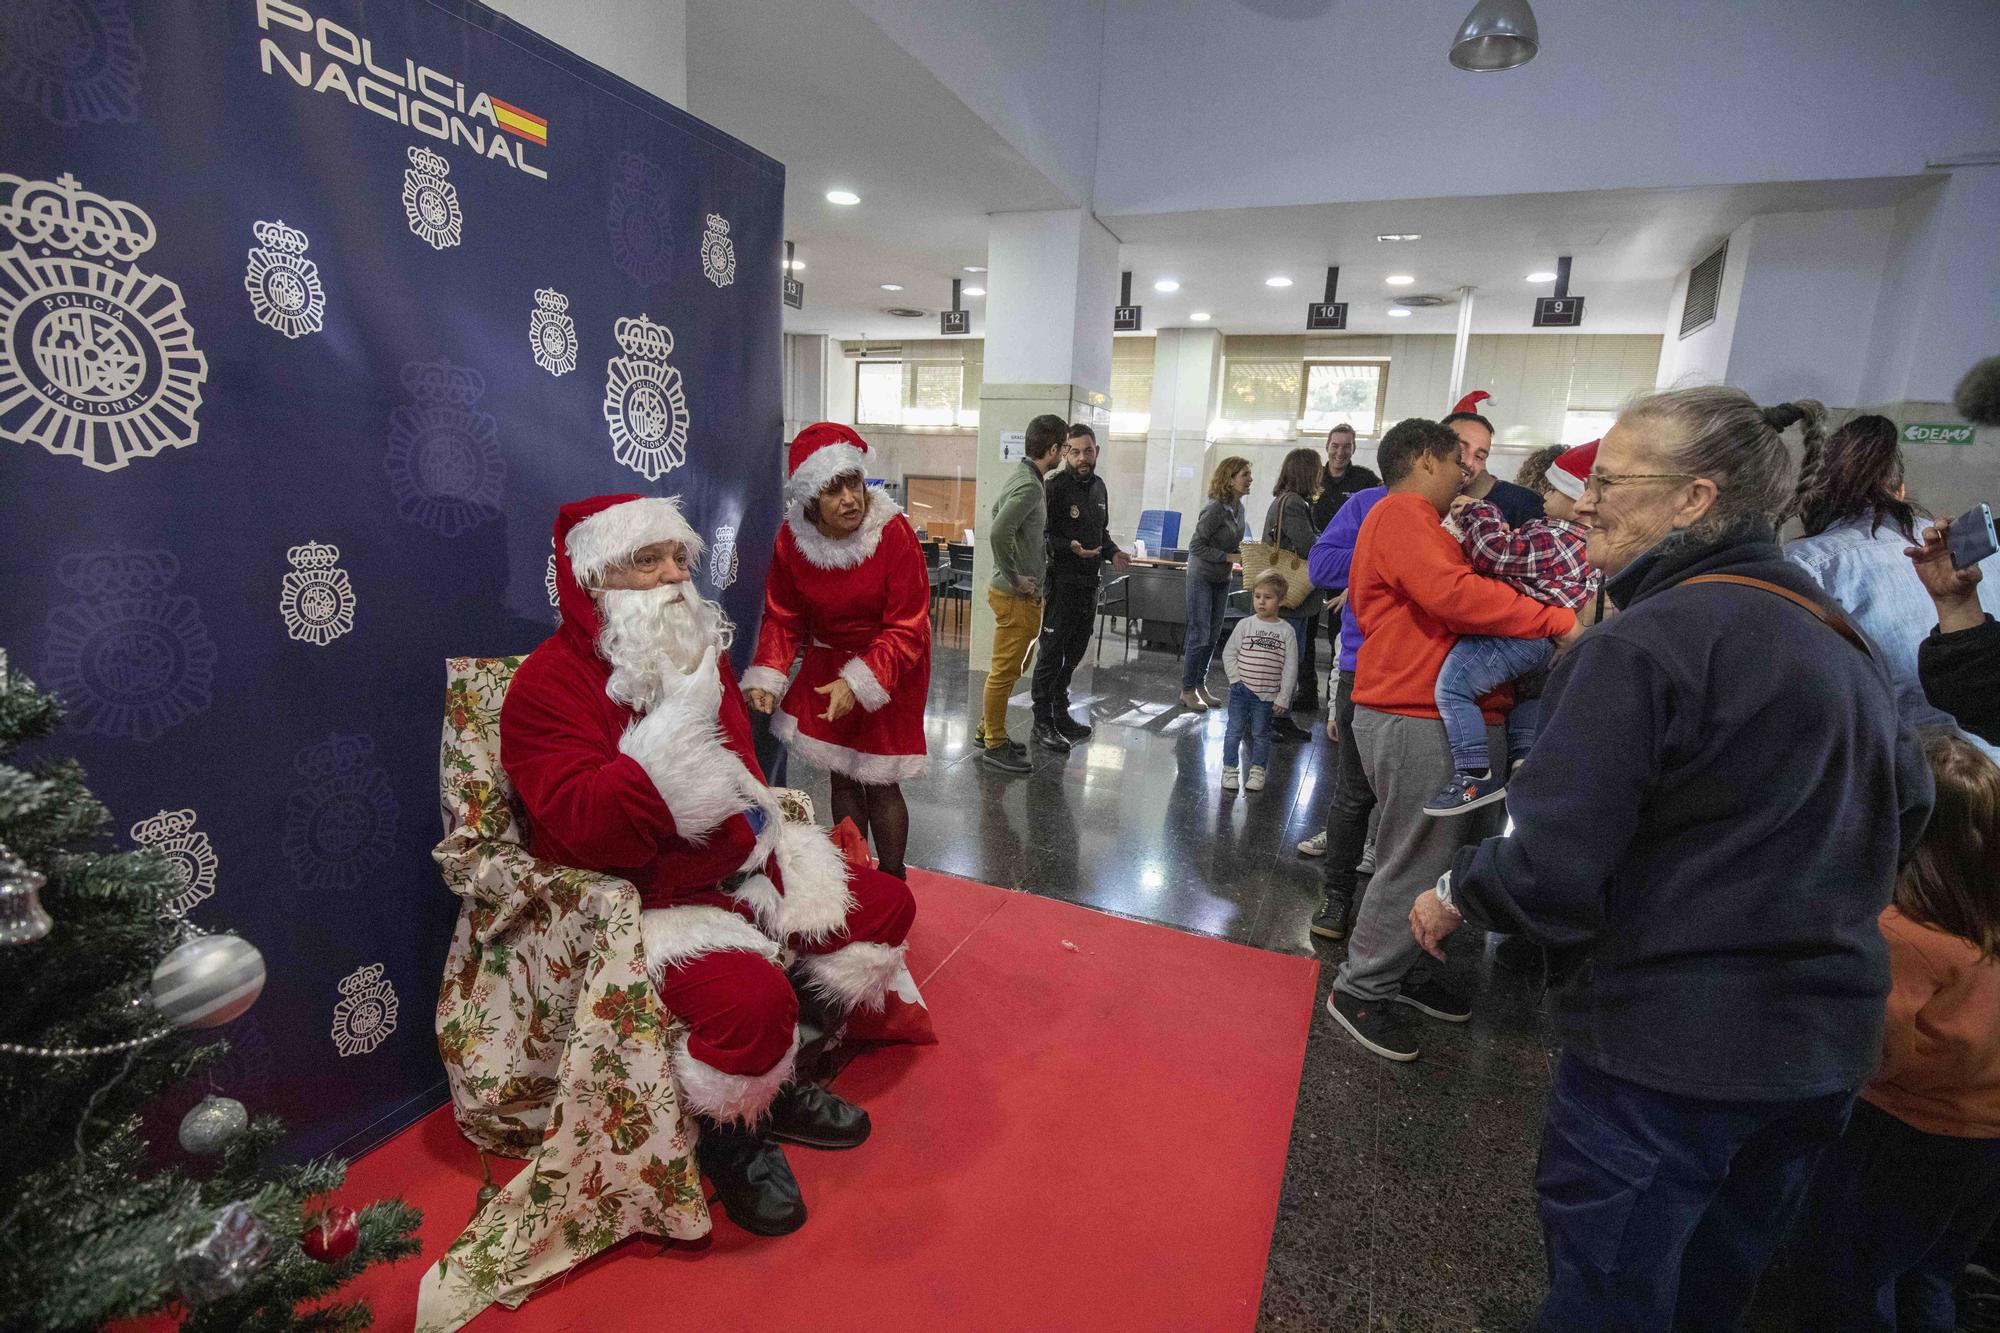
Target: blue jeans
x,y
1205,604
1247,713
1478,665
1659,1211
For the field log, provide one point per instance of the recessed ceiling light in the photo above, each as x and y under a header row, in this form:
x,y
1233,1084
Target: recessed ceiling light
x,y
1278,282
1199,316
796,265
1400,236
1399,313
1399,279
892,286
975,291
845,197
1167,285
975,268
1541,277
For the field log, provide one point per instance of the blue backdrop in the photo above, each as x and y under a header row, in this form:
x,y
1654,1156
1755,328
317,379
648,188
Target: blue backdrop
x,y
310,316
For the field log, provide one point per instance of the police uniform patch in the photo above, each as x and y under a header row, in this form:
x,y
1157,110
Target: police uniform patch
x,y
1074,512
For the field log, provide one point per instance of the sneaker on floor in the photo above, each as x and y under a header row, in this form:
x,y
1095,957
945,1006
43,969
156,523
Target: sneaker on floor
x,y
1254,779
1072,729
1193,701
1007,758
1046,736
1229,777
1330,921
1379,1028
1436,999
1315,845
1464,793
1366,866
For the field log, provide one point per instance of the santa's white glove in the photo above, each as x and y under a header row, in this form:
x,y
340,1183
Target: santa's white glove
x,y
699,692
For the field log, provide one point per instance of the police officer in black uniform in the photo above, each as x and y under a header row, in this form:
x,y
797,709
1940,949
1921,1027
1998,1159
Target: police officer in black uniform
x,y
1080,543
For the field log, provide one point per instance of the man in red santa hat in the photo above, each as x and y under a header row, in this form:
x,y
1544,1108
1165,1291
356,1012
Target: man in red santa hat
x,y
628,743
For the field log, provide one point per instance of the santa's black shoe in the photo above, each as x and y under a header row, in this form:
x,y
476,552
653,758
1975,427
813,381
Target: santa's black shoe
x,y
808,1114
753,1182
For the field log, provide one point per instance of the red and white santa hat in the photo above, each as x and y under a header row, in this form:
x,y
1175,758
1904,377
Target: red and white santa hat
x,y
1471,401
821,452
606,529
1572,468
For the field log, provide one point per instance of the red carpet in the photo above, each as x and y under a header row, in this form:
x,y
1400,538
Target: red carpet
x,y
1095,1143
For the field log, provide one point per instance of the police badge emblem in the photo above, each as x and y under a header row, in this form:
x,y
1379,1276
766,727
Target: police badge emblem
x,y
317,601
173,835
641,232
444,460
341,823
75,60
284,286
430,201
366,1013
549,583
130,660
1074,512
718,253
645,404
552,333
722,557
95,361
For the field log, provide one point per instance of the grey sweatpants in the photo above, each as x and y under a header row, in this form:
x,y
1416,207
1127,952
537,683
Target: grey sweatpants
x,y
1406,760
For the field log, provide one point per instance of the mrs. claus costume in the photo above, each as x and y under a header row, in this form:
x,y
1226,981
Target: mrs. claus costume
x,y
673,801
860,606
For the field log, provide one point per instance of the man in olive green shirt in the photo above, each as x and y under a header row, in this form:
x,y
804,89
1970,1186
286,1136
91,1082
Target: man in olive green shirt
x,y
1019,521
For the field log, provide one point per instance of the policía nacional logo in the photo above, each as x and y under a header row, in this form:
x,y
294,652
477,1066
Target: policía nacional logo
x,y
284,286
642,234
317,601
430,201
552,333
366,1013
130,659
549,584
73,60
645,403
173,835
340,823
718,253
444,460
97,359
722,557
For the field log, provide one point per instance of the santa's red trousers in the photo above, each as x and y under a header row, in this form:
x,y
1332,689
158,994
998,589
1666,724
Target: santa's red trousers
x,y
741,1010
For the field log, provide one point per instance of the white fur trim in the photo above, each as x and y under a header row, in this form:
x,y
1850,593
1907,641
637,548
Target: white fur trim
x,y
870,770
855,976
868,691
612,535
842,552
769,679
730,1098
680,745
815,902
673,935
821,466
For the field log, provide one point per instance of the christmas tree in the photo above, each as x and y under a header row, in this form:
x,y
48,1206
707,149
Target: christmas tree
x,y
96,1223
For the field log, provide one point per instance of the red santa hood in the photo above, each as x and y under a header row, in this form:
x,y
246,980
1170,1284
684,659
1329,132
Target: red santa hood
x,y
593,535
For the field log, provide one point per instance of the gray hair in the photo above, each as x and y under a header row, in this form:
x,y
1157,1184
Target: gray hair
x,y
1720,434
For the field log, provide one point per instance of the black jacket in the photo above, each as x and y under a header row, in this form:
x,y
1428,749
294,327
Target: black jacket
x,y
1079,511
1334,492
1714,815
1960,673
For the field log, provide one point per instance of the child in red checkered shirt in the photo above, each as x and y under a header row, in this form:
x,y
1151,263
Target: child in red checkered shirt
x,y
1544,558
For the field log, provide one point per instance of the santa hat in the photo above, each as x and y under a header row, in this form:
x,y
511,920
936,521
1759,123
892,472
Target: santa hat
x,y
1572,467
1471,401
823,451
605,530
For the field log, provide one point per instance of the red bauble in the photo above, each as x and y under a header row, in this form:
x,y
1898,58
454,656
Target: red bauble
x,y
332,1236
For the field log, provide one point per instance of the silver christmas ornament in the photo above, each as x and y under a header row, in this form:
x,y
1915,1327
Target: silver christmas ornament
x,y
22,916
213,1124
208,981
219,1262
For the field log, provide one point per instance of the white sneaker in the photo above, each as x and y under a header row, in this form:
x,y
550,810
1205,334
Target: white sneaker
x,y
1315,845
1367,866
1255,782
1229,778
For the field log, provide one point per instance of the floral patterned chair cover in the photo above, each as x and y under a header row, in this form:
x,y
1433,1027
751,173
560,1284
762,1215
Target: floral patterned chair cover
x,y
554,1043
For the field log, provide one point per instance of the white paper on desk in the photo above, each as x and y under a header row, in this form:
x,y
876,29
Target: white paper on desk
x,y
968,536
1138,550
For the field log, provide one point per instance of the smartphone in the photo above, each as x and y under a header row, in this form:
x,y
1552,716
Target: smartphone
x,y
1970,537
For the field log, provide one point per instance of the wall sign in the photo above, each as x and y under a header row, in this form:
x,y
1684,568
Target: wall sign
x,y
1558,312
954,321
1013,445
1326,315
1919,432
1125,319
795,293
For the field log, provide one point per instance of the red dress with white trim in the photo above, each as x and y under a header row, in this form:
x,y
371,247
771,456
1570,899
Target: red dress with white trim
x,y
860,607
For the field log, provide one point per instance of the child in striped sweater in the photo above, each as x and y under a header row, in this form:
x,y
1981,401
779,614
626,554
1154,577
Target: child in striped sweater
x,y
1262,663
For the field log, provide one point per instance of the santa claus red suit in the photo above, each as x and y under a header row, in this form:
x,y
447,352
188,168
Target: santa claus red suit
x,y
860,607
628,744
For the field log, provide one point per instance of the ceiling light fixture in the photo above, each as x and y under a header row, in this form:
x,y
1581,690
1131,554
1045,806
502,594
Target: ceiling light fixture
x,y
1167,285
975,291
892,286
1496,35
1399,313
796,265
1541,277
1399,279
1278,282
845,198
975,268
1199,316
1400,236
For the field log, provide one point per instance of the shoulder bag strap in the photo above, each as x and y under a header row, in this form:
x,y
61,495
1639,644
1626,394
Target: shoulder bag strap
x,y
1832,620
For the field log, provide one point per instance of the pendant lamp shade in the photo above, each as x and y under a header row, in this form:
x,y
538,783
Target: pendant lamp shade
x,y
1496,35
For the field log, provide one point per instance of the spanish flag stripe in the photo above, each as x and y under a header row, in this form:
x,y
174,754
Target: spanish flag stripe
x,y
509,110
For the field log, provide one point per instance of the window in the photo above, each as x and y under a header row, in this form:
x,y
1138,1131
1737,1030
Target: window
x,y
1260,397
1131,386
932,392
932,385
1349,391
878,393
1581,427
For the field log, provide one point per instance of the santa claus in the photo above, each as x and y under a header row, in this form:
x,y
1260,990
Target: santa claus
x,y
849,585
629,746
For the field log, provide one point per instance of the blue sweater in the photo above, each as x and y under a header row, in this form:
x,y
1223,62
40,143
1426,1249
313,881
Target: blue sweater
x,y
1333,555
1713,817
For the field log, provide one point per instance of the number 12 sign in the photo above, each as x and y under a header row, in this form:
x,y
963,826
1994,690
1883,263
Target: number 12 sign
x,y
1558,312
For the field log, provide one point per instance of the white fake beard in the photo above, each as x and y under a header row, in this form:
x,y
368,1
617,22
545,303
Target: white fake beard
x,y
651,632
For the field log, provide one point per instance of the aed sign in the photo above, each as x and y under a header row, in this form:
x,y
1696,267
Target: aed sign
x,y
1918,432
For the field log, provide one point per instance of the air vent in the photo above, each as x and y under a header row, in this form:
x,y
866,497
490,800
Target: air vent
x,y
904,312
1704,292
1423,302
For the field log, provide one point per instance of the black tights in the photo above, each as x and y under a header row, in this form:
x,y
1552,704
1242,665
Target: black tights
x,y
879,811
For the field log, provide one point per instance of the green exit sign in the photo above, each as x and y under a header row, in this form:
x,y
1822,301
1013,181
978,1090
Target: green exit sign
x,y
1920,432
